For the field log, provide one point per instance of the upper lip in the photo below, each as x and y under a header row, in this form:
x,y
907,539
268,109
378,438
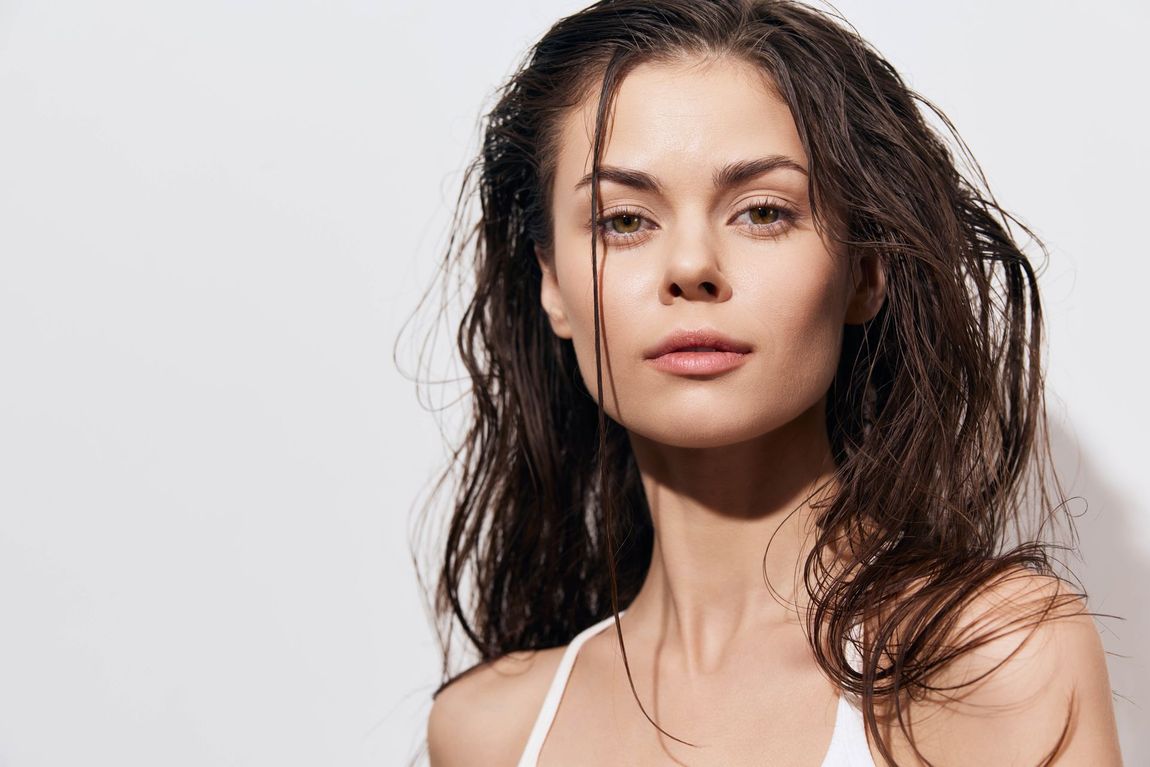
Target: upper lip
x,y
686,339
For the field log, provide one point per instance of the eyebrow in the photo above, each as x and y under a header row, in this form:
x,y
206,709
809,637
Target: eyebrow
x,y
728,176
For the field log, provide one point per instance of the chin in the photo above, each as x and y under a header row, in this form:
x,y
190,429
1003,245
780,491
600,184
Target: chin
x,y
713,419
700,432
715,414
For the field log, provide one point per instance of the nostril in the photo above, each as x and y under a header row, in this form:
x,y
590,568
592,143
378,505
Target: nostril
x,y
710,288
676,290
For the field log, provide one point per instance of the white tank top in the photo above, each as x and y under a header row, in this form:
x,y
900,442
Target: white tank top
x,y
848,741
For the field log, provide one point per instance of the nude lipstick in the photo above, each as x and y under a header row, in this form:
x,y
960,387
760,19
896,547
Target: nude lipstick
x,y
697,353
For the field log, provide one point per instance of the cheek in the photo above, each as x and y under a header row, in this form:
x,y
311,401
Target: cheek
x,y
796,286
573,274
625,285
809,331
574,278
628,293
795,310
806,307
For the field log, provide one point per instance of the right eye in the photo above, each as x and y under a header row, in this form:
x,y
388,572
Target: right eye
x,y
624,223
624,227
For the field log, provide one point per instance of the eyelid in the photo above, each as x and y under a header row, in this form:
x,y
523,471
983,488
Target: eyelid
x,y
625,210
774,203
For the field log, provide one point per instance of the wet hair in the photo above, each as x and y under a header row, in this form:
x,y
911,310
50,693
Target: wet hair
x,y
935,417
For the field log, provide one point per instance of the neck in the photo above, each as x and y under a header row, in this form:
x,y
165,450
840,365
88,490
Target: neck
x,y
727,522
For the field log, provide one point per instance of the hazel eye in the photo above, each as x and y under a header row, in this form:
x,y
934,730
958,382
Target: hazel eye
x,y
624,223
763,215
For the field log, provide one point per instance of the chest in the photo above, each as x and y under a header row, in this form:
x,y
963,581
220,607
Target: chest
x,y
751,718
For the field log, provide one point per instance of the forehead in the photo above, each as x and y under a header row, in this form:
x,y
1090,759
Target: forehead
x,y
680,120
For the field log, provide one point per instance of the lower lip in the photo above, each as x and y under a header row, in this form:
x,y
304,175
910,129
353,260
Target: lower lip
x,y
698,363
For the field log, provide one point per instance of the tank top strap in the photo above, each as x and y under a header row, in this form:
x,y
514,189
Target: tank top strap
x,y
849,746
550,706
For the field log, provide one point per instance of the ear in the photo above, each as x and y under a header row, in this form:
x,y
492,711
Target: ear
x,y
550,297
867,290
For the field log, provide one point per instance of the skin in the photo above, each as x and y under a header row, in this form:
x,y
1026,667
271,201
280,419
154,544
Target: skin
x,y
700,258
728,461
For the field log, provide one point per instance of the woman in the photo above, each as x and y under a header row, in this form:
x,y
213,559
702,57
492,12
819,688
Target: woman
x,y
756,387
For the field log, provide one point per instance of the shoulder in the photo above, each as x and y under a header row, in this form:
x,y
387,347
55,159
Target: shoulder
x,y
485,715
1037,666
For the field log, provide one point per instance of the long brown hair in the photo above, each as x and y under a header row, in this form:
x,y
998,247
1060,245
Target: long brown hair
x,y
935,417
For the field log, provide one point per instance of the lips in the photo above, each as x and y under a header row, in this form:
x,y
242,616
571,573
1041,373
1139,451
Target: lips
x,y
697,341
698,353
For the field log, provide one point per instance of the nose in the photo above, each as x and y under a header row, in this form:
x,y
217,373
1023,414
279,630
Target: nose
x,y
693,273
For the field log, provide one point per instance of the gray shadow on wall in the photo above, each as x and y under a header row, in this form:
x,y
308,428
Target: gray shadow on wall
x,y
1115,574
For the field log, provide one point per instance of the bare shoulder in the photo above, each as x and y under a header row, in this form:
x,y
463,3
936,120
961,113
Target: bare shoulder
x,y
1007,699
485,715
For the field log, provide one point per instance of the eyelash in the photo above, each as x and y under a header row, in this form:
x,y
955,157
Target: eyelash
x,y
772,231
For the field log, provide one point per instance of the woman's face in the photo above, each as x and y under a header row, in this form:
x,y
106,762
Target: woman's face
x,y
722,308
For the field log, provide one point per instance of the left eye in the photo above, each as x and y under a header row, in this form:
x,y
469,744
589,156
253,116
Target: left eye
x,y
763,215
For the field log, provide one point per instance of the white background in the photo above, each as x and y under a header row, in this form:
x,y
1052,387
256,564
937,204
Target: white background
x,y
214,217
